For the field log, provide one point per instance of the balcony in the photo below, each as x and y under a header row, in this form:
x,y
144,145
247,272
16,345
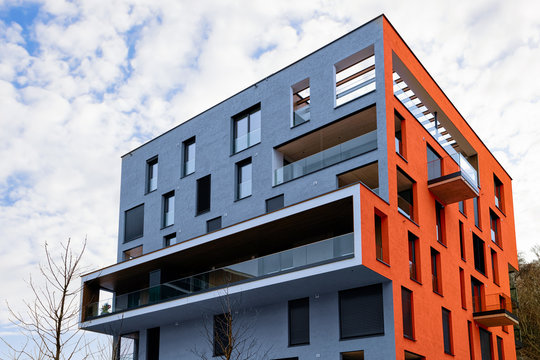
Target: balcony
x,y
328,250
495,310
452,179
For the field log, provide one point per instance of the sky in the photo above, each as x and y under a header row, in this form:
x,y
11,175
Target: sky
x,y
84,82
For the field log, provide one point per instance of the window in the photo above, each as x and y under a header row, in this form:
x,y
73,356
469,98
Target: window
x,y
128,347
152,344
461,241
189,157
133,253
462,207
412,356
414,267
355,76
399,132
495,224
479,257
381,237
462,288
301,102
247,129
407,311
447,331
477,289
222,325
439,218
275,203
353,355
299,322
243,178
498,192
203,194
151,174
436,271
361,312
433,164
169,239
471,344
485,344
405,187
134,223
494,267
168,209
500,348
213,224
476,212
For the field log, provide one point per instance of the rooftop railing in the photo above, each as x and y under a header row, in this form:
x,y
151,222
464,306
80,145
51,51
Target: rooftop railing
x,y
328,250
344,151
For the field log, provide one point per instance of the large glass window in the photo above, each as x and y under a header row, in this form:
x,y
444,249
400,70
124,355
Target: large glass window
x,y
247,129
168,209
243,175
134,223
151,174
299,322
189,157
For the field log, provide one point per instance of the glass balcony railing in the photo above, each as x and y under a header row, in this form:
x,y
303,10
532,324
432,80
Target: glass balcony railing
x,y
344,151
301,115
245,141
467,170
332,249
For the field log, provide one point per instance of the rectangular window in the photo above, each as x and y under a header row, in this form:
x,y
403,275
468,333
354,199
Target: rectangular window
x,y
399,133
494,267
128,347
222,340
169,240
243,178
405,188
203,194
462,207
189,157
247,129
152,344
299,322
477,289
414,267
168,209
407,311
485,344
500,348
381,237
462,288
461,241
213,224
352,355
447,331
498,192
476,212
436,271
133,253
151,174
361,312
479,256
134,223
275,203
439,216
355,77
301,102
433,164
495,224
471,344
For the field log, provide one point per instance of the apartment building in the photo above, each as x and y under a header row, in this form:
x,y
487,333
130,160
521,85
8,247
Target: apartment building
x,y
341,207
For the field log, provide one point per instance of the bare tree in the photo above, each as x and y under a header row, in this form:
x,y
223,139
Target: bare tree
x,y
230,335
49,320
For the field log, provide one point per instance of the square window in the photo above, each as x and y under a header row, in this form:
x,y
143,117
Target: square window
x,y
151,174
275,203
189,157
134,223
247,129
170,240
213,224
243,178
168,209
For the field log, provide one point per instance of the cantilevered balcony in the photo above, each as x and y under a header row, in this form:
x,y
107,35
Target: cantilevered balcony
x,y
333,249
452,179
495,310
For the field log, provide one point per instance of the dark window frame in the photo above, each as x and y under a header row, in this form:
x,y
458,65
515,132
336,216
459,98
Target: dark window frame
x,y
479,249
166,209
150,163
436,271
186,154
298,305
448,343
246,114
239,178
414,258
198,205
407,311
126,240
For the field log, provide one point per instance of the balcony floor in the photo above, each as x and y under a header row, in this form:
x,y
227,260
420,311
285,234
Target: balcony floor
x,y
452,188
495,318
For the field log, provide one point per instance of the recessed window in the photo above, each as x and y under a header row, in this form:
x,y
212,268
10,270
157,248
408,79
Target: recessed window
x,y
128,346
462,288
433,163
243,178
151,174
222,328
381,237
134,223
495,266
152,344
498,186
133,253
361,312
436,271
213,224
405,188
299,322
301,102
439,223
275,203
477,289
461,241
407,312
476,207
500,348
168,209
399,133
479,255
189,157
355,76
495,225
462,207
471,344
203,194
247,129
170,240
412,356
414,268
353,355
447,330
485,344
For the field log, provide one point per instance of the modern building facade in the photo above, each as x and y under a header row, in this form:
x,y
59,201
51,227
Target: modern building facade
x,y
340,208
